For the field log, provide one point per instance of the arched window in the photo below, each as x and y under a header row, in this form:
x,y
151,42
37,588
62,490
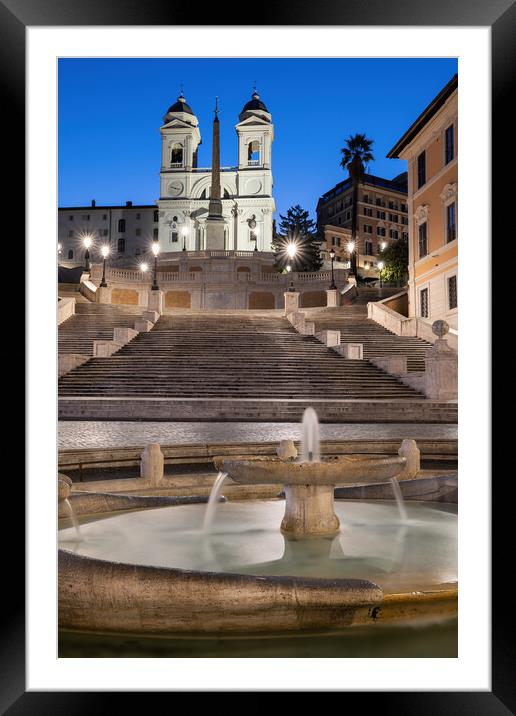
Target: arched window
x,y
253,153
70,254
176,159
121,246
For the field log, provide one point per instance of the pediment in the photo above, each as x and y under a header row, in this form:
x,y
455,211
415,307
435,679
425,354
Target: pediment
x,y
177,124
253,122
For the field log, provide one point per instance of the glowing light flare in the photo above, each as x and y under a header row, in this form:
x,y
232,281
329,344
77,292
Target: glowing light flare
x,y
351,246
104,250
291,249
155,248
87,241
144,267
380,265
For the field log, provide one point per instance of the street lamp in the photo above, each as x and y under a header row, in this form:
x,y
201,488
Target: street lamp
x,y
255,232
185,231
332,257
104,251
144,267
155,251
87,243
380,266
291,252
351,248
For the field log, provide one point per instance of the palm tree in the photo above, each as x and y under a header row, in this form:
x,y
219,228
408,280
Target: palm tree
x,y
355,157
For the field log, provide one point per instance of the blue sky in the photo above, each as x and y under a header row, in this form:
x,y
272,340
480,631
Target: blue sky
x,y
110,111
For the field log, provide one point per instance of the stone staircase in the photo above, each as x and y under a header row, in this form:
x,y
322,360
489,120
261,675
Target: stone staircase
x,y
251,356
93,321
355,327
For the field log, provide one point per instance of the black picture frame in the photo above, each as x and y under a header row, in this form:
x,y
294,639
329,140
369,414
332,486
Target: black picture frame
x,y
500,16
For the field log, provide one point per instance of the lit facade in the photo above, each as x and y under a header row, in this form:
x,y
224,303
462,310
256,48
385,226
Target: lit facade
x,y
430,148
178,219
381,219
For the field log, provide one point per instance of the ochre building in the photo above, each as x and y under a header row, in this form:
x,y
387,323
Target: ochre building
x,y
430,147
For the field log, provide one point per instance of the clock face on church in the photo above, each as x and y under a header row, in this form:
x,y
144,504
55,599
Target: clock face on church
x,y
175,188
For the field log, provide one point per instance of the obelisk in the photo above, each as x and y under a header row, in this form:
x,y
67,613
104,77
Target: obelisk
x,y
215,222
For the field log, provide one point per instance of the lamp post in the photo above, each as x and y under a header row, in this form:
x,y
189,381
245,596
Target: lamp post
x,y
332,257
87,243
184,238
255,232
104,251
155,251
291,251
380,266
351,248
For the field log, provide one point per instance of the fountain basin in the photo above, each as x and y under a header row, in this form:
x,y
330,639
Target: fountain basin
x,y
346,470
141,572
310,486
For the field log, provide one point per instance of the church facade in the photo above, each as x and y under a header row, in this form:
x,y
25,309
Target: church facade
x,y
178,219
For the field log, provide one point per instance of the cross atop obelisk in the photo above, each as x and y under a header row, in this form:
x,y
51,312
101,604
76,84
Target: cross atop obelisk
x,y
215,221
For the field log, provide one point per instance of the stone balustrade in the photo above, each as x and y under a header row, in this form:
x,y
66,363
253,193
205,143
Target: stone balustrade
x,y
403,326
65,309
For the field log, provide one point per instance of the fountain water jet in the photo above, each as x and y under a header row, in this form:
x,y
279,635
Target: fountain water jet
x,y
399,499
212,502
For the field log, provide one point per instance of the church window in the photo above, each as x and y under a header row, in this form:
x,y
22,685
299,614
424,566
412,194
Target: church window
x,y
155,233
174,238
70,254
369,248
85,217
138,216
177,155
253,153
121,246
137,252
156,215
121,225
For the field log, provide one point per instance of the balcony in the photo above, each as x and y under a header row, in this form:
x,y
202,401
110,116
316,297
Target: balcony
x,y
253,162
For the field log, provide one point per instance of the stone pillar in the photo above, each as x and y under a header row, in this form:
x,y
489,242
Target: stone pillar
x,y
155,301
291,301
331,297
152,464
309,511
103,294
441,376
286,450
410,451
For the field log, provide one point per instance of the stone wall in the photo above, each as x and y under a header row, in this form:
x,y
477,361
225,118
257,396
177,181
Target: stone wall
x,y
178,299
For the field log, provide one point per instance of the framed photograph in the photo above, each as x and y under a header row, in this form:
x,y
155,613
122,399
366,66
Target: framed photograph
x,y
198,309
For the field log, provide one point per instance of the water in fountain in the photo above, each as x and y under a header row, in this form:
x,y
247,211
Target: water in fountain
x,y
399,499
310,441
209,515
73,517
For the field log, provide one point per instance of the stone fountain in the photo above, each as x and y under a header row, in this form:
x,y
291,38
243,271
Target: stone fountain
x,y
261,567
309,484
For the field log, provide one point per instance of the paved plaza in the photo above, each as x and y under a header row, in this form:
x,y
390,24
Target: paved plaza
x,y
106,434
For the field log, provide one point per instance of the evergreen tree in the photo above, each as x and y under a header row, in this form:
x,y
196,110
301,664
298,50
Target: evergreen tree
x,y
297,227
